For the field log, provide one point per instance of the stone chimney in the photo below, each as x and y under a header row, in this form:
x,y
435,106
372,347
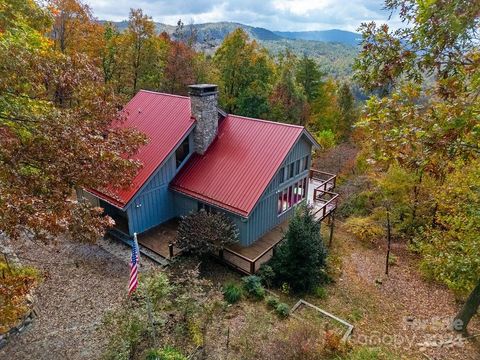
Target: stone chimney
x,y
204,101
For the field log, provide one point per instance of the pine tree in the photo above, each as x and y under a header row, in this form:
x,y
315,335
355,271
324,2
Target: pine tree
x,y
300,260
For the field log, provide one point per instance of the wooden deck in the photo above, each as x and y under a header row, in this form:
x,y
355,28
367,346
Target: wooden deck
x,y
320,194
158,239
249,259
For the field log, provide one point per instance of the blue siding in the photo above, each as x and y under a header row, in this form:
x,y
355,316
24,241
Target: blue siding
x,y
264,217
155,203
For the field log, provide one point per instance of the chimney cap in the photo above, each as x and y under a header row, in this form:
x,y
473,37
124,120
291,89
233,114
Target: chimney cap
x,y
202,89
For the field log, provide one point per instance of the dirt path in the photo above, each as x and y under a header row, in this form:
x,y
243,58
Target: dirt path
x,y
81,284
403,311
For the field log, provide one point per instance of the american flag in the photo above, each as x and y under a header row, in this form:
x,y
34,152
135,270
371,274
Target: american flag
x,y
134,266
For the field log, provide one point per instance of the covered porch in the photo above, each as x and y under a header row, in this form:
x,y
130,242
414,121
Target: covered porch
x,y
160,239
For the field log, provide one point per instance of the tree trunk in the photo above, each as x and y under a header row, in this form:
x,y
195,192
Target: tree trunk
x,y
470,308
389,242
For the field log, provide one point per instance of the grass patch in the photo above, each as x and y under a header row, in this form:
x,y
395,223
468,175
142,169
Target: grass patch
x,y
232,293
366,353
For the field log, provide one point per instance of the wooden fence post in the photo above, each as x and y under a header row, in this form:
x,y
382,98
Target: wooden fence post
x,y
332,219
170,250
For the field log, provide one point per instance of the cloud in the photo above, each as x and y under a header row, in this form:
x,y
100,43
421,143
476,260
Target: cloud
x,y
286,15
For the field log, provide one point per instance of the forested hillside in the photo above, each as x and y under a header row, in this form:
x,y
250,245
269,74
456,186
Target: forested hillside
x,y
333,50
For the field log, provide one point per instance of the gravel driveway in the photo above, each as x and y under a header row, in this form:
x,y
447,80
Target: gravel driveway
x,y
82,282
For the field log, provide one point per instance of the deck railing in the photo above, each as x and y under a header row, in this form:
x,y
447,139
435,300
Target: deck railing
x,y
243,263
326,203
327,180
324,200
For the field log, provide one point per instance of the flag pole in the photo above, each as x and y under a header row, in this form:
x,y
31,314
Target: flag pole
x,y
135,243
147,295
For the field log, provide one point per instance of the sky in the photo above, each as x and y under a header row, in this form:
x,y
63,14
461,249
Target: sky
x,y
282,15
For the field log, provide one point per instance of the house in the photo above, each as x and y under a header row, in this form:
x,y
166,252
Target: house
x,y
197,156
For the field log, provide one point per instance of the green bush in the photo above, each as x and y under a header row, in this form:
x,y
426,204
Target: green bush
x,y
232,293
253,286
283,310
357,205
272,302
126,329
266,274
167,353
365,229
320,292
204,233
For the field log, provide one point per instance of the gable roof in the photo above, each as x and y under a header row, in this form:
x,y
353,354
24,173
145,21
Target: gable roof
x,y
239,164
165,119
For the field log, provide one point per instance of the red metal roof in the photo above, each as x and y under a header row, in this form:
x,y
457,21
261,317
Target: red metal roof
x,y
239,164
165,119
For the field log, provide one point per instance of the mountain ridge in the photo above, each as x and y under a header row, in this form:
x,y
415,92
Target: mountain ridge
x,y
217,31
332,35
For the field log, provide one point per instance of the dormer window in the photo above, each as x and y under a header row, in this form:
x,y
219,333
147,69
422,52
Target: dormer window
x,y
182,152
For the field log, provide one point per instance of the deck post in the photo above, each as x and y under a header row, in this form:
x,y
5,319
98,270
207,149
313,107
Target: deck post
x,y
252,267
332,222
170,250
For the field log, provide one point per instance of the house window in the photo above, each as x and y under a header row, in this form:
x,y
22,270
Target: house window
x,y
209,209
306,163
182,152
291,196
297,167
291,171
304,190
283,201
281,175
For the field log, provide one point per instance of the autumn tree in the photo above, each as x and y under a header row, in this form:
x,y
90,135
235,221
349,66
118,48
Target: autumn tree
x,y
110,52
74,29
424,111
288,102
245,72
17,282
51,144
451,248
138,43
180,66
348,111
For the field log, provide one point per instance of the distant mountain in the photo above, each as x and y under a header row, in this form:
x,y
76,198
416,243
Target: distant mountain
x,y
338,36
211,32
217,31
334,50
